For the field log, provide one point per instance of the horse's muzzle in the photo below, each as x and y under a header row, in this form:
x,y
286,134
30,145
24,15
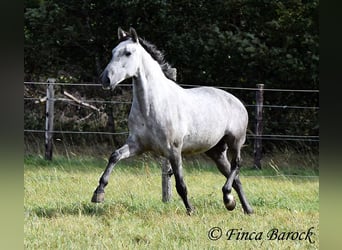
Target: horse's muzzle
x,y
105,81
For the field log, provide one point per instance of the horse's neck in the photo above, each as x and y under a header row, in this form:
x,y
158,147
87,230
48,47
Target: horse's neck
x,y
149,86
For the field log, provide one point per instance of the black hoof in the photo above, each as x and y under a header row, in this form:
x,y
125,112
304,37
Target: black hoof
x,y
249,211
230,203
97,197
190,211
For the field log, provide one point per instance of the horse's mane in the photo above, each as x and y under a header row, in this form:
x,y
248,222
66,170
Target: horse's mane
x,y
157,55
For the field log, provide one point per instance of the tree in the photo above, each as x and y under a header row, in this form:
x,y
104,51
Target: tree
x,y
221,43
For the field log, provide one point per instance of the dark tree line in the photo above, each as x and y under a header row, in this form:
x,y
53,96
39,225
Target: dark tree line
x,y
222,43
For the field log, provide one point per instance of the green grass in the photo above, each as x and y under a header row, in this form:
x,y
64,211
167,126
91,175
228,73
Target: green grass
x,y
58,213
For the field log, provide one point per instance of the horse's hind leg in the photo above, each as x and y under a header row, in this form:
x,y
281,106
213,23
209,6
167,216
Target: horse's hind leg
x,y
219,155
234,180
127,150
237,185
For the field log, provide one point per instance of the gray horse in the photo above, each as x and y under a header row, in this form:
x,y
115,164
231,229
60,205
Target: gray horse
x,y
172,121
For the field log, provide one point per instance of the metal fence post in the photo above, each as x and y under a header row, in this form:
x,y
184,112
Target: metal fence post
x,y
49,114
166,181
258,126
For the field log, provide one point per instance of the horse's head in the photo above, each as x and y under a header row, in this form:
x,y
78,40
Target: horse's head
x,y
125,60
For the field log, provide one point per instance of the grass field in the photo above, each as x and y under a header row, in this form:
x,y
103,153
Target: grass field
x,y
59,214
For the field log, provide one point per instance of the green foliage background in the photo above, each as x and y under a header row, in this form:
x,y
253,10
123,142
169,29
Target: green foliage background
x,y
221,43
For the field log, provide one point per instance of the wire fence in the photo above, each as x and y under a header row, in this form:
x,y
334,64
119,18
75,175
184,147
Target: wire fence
x,y
183,85
166,181
129,102
262,137
272,137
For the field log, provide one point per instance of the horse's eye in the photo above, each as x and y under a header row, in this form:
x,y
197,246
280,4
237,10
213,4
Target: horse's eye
x,y
127,53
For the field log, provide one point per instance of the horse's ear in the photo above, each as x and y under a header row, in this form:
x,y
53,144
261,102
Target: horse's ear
x,y
121,33
134,35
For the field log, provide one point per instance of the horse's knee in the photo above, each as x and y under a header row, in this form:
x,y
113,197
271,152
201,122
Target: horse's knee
x,y
114,157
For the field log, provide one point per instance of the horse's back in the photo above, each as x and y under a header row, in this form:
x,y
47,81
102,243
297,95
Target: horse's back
x,y
219,103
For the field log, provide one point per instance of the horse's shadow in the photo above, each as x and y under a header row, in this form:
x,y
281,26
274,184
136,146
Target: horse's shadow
x,y
106,209
72,209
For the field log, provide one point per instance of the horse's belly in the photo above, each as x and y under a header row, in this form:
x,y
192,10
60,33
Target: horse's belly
x,y
193,144
195,150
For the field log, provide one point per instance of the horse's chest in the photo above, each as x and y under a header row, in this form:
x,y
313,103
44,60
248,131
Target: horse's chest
x,y
152,132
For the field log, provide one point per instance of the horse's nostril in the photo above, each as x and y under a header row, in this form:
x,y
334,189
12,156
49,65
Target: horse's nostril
x,y
105,80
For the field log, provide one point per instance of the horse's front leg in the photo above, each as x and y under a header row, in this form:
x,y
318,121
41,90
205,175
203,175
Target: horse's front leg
x,y
177,170
126,151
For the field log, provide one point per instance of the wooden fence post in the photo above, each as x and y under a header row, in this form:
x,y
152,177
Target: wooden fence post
x,y
49,113
258,126
166,181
